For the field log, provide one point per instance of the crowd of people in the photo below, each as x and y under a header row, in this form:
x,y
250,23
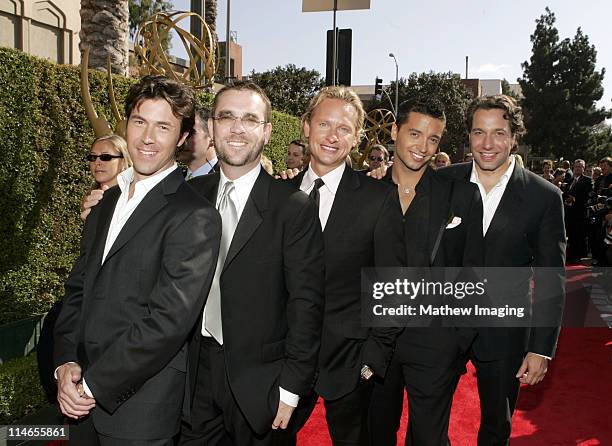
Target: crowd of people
x,y
587,193
215,304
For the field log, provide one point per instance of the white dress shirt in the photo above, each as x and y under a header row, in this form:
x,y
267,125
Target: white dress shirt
x,y
125,206
491,200
242,188
327,192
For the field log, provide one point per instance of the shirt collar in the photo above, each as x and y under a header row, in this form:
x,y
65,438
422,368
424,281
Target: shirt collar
x,y
125,178
421,185
331,179
503,181
242,185
204,169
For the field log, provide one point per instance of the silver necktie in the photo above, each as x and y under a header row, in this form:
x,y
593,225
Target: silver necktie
x,y
229,221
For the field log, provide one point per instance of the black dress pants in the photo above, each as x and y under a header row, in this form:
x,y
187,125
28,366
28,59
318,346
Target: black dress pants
x,y
498,389
428,362
347,417
216,418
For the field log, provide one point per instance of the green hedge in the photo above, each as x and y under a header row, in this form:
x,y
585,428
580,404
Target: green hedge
x,y
45,135
20,390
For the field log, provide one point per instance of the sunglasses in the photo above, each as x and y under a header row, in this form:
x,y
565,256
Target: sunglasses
x,y
376,158
104,157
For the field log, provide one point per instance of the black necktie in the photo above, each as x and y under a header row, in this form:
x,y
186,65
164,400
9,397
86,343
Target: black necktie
x,y
314,193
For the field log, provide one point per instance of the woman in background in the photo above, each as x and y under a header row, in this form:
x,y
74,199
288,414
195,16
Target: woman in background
x,y
108,157
441,160
547,168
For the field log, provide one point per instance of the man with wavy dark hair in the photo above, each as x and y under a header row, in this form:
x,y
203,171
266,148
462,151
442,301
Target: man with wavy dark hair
x,y
522,227
148,254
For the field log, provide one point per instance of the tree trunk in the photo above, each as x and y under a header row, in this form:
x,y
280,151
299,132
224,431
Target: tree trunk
x,y
210,15
105,29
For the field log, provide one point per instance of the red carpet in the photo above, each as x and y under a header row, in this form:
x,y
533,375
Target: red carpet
x,y
572,406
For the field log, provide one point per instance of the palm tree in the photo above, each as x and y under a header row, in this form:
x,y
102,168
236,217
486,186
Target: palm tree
x,y
210,15
105,29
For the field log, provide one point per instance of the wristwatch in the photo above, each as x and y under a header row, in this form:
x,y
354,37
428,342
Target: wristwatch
x,y
366,372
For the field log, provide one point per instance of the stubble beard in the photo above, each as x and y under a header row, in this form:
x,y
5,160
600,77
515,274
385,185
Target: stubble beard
x,y
247,158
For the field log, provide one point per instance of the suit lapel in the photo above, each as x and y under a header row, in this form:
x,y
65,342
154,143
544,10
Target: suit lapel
x,y
209,186
105,215
297,180
438,215
251,216
341,212
152,203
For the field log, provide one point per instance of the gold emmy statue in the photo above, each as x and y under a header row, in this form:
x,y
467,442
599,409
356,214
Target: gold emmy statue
x,y
153,58
377,128
100,125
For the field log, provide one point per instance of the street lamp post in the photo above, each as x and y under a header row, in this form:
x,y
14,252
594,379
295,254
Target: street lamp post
x,y
396,83
228,39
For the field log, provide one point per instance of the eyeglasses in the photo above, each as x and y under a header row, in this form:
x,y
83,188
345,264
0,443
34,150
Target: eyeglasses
x,y
376,158
103,157
248,122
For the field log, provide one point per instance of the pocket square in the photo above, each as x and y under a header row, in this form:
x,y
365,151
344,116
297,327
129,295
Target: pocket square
x,y
456,221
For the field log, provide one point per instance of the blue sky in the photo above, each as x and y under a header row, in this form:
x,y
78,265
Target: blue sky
x,y
424,36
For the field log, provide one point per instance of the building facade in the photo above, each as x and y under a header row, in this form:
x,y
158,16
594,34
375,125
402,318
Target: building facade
x,y
44,28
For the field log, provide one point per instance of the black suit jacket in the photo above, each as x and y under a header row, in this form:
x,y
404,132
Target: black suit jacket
x,y
364,229
580,191
126,322
271,297
527,230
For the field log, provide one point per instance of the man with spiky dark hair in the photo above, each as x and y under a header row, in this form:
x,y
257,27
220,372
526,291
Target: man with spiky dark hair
x,y
441,216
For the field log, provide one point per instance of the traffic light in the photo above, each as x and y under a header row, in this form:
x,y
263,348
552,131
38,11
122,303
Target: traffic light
x,y
378,86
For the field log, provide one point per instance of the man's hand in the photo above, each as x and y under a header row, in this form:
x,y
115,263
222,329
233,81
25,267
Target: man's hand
x,y
282,416
533,369
287,174
91,200
70,394
378,173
